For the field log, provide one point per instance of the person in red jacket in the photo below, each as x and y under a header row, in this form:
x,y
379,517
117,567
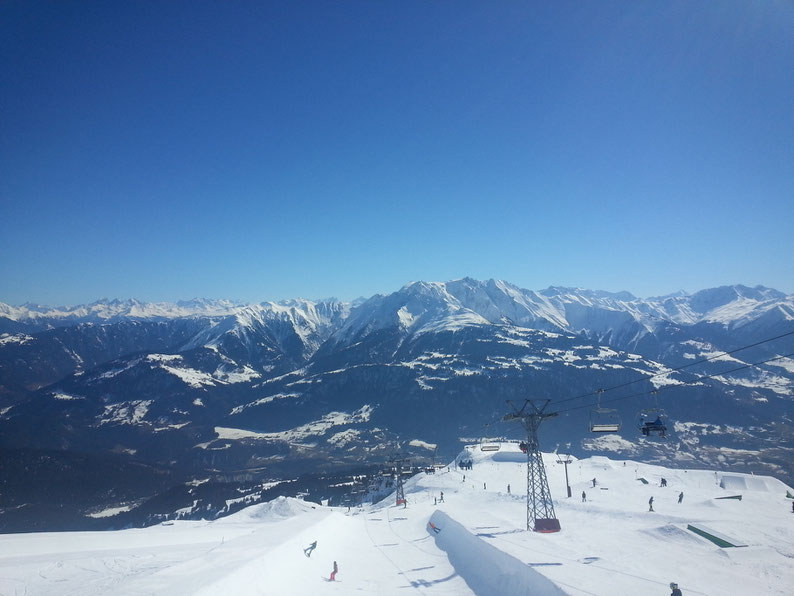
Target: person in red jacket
x,y
333,573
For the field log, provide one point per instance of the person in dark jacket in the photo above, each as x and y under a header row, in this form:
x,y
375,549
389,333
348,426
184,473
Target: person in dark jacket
x,y
675,590
680,497
584,496
650,504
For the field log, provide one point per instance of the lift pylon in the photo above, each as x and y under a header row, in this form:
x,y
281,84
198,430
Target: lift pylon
x,y
540,508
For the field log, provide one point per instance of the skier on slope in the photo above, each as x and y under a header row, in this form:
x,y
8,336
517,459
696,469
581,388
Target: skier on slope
x,y
650,504
584,496
333,573
675,590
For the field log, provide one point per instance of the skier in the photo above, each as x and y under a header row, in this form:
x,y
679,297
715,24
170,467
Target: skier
x,y
664,482
675,590
594,482
483,486
508,489
584,496
442,496
680,497
308,550
333,573
650,504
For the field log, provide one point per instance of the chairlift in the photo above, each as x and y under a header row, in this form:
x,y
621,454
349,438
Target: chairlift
x,y
653,423
604,420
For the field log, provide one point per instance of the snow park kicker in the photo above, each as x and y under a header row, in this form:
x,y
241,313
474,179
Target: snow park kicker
x,y
487,570
609,545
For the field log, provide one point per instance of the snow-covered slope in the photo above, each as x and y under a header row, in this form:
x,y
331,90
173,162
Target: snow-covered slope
x,y
610,544
618,319
108,310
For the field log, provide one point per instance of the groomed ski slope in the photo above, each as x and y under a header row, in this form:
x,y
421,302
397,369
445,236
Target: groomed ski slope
x,y
609,545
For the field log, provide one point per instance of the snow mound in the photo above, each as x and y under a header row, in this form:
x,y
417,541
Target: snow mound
x,y
486,569
752,483
276,510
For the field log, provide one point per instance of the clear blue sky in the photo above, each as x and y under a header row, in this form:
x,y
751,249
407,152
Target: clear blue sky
x,y
268,150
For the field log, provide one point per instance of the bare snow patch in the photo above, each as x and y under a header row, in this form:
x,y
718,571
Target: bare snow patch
x,y
614,443
344,438
237,375
66,396
238,433
128,412
19,338
110,511
322,426
423,444
264,400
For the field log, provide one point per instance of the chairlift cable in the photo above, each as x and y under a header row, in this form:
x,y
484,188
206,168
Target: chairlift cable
x,y
672,370
699,378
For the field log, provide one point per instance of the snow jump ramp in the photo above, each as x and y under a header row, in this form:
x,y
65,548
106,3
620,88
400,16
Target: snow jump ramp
x,y
487,570
717,538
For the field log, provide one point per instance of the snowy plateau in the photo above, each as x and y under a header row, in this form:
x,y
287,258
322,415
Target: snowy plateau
x,y
123,414
461,532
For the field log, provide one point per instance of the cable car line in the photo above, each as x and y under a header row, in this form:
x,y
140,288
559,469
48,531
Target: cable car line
x,y
699,378
672,370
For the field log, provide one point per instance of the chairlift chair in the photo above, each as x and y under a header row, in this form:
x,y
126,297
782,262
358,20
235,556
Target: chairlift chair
x,y
604,420
653,423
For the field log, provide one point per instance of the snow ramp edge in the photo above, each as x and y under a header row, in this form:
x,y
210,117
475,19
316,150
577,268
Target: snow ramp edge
x,y
487,570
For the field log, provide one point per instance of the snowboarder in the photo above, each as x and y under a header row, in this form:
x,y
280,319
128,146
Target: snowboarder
x,y
442,496
584,496
594,482
680,497
650,504
333,573
308,550
675,590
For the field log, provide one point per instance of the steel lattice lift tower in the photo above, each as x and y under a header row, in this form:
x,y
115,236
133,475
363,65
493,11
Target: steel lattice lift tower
x,y
398,466
540,509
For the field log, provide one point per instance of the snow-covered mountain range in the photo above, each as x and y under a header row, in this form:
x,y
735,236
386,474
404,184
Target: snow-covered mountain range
x,y
297,385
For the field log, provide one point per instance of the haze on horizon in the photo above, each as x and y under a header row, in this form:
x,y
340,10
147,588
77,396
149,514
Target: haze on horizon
x,y
266,151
